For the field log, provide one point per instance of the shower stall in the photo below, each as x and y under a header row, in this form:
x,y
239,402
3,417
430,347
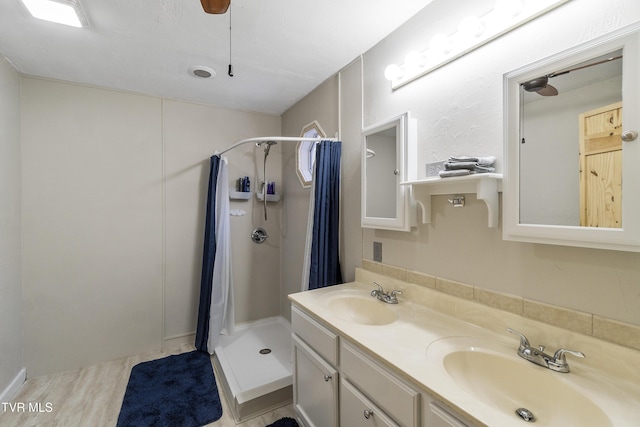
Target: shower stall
x,y
253,364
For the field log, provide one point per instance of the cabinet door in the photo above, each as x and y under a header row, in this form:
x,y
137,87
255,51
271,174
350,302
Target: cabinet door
x,y
358,411
315,387
601,167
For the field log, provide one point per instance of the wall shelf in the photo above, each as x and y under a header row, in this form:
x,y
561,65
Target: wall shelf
x,y
270,197
485,185
239,195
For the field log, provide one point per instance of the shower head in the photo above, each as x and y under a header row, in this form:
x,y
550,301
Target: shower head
x,y
267,147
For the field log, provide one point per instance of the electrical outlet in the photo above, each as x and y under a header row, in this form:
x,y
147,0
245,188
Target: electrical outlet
x,y
433,169
377,251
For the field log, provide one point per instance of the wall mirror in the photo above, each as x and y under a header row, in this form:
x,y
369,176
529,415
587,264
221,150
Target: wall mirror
x,y
571,147
386,147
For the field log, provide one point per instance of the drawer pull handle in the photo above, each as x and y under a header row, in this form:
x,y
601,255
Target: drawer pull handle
x,y
368,413
327,377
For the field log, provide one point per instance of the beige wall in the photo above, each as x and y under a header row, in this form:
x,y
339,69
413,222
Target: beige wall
x,y
192,133
114,187
92,224
320,105
11,360
351,126
459,112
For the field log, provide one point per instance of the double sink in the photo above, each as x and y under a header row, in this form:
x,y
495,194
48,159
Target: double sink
x,y
487,371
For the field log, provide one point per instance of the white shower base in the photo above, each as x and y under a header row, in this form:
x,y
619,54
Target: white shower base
x,y
255,383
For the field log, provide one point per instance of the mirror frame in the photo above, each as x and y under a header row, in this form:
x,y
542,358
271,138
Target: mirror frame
x,y
626,238
406,148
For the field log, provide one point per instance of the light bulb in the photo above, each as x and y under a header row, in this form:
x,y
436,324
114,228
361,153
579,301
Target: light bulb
x,y
393,72
471,27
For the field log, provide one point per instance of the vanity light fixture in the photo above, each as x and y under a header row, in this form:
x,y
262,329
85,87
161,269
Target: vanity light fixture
x,y
67,12
472,33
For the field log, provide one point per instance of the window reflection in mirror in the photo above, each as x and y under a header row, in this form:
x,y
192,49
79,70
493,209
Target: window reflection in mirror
x,y
570,146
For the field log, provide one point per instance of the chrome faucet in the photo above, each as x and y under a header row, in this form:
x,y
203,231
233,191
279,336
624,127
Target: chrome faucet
x,y
389,298
557,362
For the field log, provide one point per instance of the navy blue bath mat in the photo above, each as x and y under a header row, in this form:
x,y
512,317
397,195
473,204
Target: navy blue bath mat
x,y
284,422
177,390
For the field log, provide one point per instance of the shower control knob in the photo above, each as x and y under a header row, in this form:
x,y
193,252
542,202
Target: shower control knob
x,y
327,377
629,135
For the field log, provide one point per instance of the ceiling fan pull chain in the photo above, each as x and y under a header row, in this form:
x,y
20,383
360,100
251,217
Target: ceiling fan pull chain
x,y
230,72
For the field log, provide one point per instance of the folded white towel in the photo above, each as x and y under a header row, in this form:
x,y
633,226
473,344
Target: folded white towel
x,y
456,172
484,169
481,161
459,165
463,159
486,161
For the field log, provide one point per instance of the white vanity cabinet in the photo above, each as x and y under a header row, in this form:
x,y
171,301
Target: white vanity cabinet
x,y
315,378
335,383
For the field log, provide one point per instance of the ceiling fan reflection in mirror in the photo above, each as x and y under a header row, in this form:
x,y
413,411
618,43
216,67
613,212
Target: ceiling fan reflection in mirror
x,y
215,7
541,85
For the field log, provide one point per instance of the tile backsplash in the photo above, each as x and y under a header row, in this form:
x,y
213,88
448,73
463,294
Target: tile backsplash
x,y
610,330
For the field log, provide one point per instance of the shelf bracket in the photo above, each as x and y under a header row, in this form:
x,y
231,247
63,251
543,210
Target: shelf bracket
x,y
488,192
421,195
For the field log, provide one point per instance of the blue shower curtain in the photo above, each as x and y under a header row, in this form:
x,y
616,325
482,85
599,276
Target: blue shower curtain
x,y
325,263
215,311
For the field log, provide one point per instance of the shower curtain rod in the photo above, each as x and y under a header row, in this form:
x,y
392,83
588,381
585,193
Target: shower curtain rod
x,y
273,138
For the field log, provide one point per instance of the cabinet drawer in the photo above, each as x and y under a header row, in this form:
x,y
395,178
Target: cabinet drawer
x,y
397,399
358,411
322,340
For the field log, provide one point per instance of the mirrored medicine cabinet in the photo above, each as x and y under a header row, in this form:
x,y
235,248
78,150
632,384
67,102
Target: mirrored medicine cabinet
x,y
386,148
571,147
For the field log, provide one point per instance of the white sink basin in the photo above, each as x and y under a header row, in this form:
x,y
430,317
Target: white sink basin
x,y
360,307
492,372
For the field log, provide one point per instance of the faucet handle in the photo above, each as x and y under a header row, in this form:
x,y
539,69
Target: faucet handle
x,y
376,292
524,342
392,296
559,362
559,356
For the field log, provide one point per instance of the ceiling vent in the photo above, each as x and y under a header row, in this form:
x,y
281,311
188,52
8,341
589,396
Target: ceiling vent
x,y
202,71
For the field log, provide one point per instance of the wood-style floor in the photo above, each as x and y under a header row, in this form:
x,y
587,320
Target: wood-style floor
x,y
92,396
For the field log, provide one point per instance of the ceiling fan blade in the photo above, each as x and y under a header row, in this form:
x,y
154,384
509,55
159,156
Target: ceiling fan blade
x,y
548,90
215,7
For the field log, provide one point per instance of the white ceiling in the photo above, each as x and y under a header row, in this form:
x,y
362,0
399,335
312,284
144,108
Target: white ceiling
x,y
281,49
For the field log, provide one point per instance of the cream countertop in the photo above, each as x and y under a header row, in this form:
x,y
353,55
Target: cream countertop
x,y
609,375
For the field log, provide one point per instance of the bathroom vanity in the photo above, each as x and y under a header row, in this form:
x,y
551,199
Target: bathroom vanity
x,y
434,360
